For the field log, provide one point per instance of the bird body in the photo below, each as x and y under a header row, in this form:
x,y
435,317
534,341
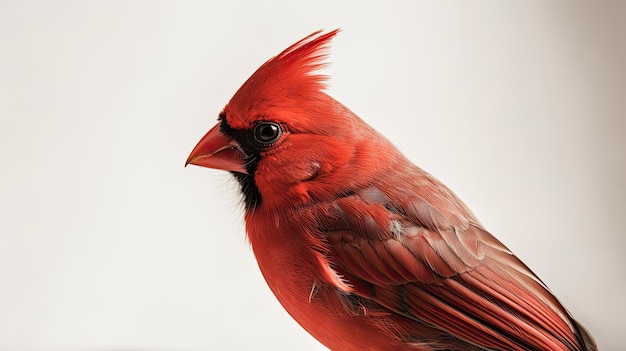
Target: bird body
x,y
365,250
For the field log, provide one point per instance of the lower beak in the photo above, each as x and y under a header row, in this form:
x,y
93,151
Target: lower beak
x,y
216,150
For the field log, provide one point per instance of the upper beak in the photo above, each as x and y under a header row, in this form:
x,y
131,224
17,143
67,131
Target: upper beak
x,y
216,150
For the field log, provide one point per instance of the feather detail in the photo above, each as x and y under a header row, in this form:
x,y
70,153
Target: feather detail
x,y
461,280
285,81
331,276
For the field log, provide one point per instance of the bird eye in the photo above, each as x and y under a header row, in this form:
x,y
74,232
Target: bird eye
x,y
267,132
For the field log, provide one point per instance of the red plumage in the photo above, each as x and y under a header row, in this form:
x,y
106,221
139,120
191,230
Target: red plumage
x,y
364,249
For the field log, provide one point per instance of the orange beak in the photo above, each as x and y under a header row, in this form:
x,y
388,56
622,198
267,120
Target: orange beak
x,y
216,150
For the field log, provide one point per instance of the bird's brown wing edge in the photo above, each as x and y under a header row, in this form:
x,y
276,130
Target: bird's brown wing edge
x,y
458,279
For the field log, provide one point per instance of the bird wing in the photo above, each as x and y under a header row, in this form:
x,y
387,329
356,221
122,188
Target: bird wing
x,y
448,273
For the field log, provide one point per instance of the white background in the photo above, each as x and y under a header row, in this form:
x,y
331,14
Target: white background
x,y
108,243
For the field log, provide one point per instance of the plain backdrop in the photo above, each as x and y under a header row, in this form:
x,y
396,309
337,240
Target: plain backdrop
x,y
108,243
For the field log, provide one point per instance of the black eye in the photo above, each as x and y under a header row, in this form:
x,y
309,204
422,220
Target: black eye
x,y
267,132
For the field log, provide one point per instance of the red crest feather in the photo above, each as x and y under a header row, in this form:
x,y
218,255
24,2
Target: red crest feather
x,y
287,80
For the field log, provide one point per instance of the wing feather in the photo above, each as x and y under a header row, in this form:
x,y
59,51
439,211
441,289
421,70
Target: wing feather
x,y
448,273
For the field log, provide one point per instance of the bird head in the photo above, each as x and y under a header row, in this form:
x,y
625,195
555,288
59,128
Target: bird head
x,y
281,135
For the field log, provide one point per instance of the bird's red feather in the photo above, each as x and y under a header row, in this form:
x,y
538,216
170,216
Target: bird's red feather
x,y
364,249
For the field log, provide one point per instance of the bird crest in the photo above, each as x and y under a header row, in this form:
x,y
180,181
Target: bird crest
x,y
287,81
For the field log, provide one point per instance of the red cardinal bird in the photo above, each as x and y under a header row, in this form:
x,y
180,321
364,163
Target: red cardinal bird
x,y
364,249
